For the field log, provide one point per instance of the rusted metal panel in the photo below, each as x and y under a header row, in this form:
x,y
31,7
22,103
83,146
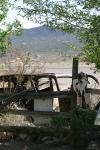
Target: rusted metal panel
x,y
43,104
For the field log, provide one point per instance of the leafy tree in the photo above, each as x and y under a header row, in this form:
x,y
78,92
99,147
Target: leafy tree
x,y
81,17
6,29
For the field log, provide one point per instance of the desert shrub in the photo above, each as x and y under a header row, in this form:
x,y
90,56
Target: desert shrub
x,y
82,123
59,122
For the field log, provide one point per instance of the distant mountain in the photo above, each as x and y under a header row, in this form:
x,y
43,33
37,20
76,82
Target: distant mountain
x,y
46,42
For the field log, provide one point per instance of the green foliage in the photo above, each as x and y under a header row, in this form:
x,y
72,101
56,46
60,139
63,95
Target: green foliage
x,y
7,29
81,123
59,123
79,17
3,9
80,126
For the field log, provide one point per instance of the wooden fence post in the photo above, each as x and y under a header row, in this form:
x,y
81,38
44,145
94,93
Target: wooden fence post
x,y
74,73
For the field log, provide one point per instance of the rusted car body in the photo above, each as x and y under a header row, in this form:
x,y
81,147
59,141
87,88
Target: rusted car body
x,y
15,83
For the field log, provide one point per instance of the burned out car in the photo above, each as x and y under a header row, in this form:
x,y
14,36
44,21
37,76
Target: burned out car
x,y
37,83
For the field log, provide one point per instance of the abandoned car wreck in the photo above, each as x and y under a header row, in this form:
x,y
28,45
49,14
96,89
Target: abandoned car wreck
x,y
16,83
45,83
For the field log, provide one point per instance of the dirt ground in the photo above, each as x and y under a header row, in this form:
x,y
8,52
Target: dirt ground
x,y
21,145
29,145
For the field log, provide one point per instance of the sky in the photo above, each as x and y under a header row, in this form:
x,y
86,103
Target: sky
x,y
13,14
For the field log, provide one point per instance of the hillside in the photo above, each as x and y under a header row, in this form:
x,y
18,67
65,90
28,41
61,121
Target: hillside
x,y
46,42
